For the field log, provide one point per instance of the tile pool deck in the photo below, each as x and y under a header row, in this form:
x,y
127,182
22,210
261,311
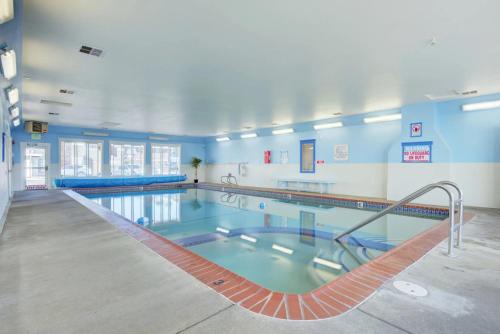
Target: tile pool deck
x,y
329,300
45,228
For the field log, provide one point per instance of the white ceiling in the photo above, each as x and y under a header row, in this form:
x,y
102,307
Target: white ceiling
x,y
205,67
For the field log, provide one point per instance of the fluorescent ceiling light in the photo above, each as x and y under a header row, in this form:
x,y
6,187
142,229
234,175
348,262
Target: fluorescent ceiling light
x,y
16,121
248,135
283,249
95,134
157,138
328,125
327,263
14,111
481,105
222,230
222,139
8,60
6,10
282,131
12,94
247,238
384,118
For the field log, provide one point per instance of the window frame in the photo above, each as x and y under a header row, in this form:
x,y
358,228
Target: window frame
x,y
313,142
163,145
81,140
143,144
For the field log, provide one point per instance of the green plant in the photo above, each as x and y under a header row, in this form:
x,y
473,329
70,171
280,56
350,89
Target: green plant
x,y
195,162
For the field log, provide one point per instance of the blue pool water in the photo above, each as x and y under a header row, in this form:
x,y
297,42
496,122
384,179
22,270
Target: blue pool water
x,y
283,246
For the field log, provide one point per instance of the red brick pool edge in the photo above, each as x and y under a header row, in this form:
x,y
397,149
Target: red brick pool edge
x,y
329,300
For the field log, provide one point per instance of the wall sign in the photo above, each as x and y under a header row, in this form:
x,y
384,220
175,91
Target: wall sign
x,y
284,157
416,129
341,152
36,136
418,152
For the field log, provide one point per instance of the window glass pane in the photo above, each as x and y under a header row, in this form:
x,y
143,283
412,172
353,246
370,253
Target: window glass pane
x,y
127,159
165,159
80,158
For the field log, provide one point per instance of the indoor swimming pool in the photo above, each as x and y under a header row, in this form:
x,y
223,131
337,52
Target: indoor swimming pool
x,y
281,245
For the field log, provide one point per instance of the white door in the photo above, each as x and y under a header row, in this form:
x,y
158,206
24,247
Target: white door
x,y
36,165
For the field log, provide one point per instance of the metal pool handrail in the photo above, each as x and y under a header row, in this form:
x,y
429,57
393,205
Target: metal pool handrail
x,y
420,192
227,179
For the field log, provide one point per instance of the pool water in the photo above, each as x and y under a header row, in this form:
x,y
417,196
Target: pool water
x,y
281,245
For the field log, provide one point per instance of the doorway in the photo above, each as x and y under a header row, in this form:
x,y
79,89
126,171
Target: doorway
x,y
36,165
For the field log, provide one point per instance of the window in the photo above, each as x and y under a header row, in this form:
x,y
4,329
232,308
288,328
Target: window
x,y
307,156
80,158
126,159
166,159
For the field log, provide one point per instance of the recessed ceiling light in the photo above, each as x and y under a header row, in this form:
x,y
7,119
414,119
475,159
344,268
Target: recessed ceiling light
x,y
95,134
481,105
6,10
222,139
282,131
8,61
248,135
108,124
14,111
12,94
16,122
384,118
58,103
328,125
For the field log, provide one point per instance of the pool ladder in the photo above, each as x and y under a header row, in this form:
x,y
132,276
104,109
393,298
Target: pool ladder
x,y
228,179
454,204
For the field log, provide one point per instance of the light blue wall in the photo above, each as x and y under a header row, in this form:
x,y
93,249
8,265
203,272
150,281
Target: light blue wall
x,y
473,136
368,143
190,146
457,136
10,36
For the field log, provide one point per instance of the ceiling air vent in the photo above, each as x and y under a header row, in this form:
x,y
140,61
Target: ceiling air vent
x,y
466,92
66,91
451,95
108,124
90,51
56,103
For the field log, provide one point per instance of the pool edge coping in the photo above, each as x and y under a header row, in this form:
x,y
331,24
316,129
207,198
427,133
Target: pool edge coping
x,y
335,298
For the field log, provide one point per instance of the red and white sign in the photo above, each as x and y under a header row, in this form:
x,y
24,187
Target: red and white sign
x,y
417,152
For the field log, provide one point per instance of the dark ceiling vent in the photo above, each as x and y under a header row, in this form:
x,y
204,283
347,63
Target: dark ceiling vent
x,y
66,91
90,51
57,103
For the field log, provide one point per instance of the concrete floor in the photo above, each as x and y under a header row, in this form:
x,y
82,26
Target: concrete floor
x,y
65,270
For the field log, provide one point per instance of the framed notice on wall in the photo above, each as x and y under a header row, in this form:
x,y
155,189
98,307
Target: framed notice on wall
x,y
418,152
341,152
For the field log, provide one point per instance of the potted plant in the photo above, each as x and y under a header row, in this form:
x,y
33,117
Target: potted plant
x,y
195,162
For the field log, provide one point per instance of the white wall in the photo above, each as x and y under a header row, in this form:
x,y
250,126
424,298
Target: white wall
x,y
480,182
350,179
